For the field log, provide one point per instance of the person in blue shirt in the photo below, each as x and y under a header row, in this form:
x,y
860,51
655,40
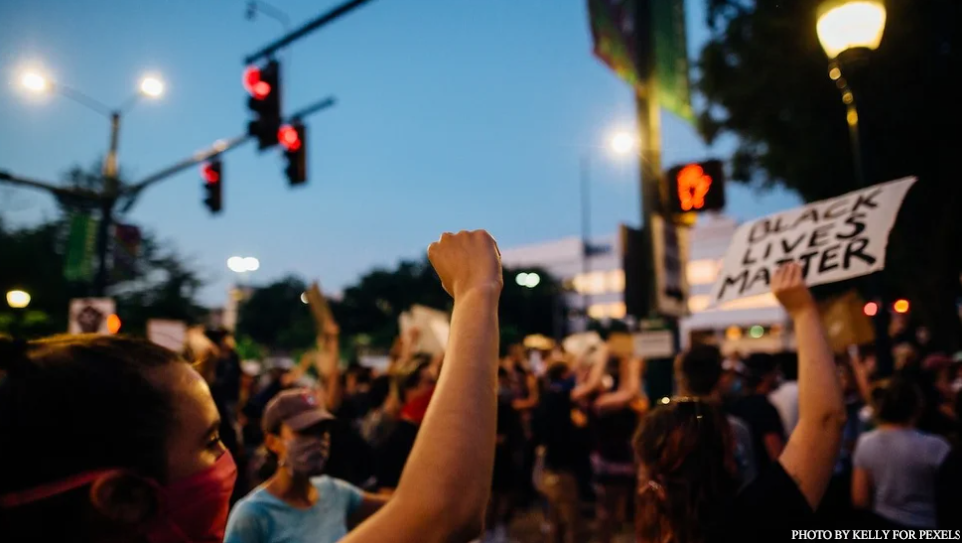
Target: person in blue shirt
x,y
298,503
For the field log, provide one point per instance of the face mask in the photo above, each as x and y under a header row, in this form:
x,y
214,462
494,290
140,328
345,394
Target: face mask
x,y
192,510
307,455
195,509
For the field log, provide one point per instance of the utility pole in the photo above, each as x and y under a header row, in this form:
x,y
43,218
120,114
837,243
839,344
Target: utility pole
x,y
649,142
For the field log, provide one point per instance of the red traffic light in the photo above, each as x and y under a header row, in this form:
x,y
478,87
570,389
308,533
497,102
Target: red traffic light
x,y
870,309
210,173
253,83
288,137
696,187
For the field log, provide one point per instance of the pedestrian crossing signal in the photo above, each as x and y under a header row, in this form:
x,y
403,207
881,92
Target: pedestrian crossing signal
x,y
696,187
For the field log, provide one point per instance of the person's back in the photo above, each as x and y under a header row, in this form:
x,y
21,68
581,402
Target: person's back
x,y
902,464
261,517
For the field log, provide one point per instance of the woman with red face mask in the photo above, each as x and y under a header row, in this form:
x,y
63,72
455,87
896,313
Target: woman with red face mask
x,y
115,439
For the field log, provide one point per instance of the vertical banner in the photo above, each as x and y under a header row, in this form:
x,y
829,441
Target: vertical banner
x,y
833,240
125,252
614,37
671,57
81,242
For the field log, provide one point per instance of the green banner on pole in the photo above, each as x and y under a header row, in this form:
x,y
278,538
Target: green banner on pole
x,y
615,41
617,29
671,57
81,242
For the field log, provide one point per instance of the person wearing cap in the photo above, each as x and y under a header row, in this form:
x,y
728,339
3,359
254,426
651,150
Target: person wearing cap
x,y
299,503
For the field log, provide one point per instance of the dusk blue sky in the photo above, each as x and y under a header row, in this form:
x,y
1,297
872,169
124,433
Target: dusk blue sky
x,y
450,115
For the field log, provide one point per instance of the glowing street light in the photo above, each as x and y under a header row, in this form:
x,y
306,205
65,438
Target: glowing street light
x,y
240,264
529,280
18,299
34,82
623,142
850,24
151,86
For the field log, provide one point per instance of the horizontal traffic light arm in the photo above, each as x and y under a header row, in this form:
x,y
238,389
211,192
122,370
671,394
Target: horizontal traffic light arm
x,y
306,29
217,149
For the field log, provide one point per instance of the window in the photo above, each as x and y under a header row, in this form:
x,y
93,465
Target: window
x,y
607,311
702,272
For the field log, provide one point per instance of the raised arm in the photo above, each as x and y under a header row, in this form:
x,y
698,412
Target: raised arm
x,y
445,485
809,457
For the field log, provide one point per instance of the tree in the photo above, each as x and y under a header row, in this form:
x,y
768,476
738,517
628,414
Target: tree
x,y
162,285
275,316
370,309
765,79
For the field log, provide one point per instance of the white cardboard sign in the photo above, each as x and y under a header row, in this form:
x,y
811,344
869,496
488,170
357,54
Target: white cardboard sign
x,y
833,240
170,334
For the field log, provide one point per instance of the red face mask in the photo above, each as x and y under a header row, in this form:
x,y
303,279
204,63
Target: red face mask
x,y
417,408
192,510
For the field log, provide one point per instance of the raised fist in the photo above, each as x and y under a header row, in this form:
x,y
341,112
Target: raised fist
x,y
467,261
789,287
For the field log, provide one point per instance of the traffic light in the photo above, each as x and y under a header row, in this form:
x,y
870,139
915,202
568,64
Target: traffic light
x,y
211,172
696,187
292,138
264,86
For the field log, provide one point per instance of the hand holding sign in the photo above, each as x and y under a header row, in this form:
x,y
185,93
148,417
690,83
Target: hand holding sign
x,y
789,288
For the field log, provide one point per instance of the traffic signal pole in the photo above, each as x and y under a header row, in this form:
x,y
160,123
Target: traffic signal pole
x,y
112,192
305,29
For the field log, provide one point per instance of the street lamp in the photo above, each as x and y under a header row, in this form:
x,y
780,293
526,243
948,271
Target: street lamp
x,y
18,299
151,87
848,31
528,280
240,264
850,24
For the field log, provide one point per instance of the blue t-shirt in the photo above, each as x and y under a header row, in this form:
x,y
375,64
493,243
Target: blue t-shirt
x,y
262,517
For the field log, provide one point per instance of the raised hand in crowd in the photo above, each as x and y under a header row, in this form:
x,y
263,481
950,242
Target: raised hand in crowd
x,y
809,456
446,482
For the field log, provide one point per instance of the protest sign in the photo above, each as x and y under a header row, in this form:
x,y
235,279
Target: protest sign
x,y
832,240
168,333
432,324
90,315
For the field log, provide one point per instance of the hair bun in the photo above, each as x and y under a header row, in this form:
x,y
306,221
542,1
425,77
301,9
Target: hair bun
x,y
13,354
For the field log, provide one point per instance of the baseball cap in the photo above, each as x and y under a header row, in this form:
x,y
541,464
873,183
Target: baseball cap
x,y
299,408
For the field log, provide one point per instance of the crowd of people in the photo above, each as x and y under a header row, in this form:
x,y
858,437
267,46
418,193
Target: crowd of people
x,y
116,439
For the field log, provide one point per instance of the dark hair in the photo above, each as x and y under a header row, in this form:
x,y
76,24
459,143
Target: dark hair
x,y
556,372
412,379
71,404
760,366
788,363
899,401
379,391
686,450
701,367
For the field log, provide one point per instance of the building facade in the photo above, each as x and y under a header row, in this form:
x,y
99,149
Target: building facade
x,y
596,287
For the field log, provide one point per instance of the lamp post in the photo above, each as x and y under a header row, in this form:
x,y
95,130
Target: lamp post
x,y
848,31
18,300
151,87
620,143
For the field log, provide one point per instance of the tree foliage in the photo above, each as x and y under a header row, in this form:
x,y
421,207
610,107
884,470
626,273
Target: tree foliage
x,y
765,78
164,285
